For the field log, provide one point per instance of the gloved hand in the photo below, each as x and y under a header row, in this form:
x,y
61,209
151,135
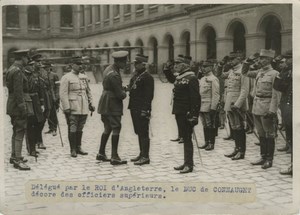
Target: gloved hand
x,y
43,108
234,107
67,112
270,115
92,108
193,120
145,114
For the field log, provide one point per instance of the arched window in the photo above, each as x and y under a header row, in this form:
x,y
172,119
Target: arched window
x,y
239,42
171,48
33,17
185,39
66,16
211,47
12,16
273,35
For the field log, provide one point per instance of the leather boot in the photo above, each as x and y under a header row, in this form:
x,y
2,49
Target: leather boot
x,y
240,139
20,165
41,145
236,150
263,152
140,147
142,161
78,144
187,169
115,159
101,156
206,139
212,138
73,144
270,153
283,149
181,167
288,171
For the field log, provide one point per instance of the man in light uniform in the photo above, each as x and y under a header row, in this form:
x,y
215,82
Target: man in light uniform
x,y
210,96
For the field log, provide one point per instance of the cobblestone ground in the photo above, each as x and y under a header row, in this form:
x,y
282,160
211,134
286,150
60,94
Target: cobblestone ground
x,y
274,192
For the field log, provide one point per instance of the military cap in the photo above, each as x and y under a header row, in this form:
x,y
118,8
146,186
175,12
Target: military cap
x,y
141,58
48,64
28,69
188,59
208,63
21,53
181,59
267,53
31,62
288,54
254,56
36,57
77,60
120,55
236,54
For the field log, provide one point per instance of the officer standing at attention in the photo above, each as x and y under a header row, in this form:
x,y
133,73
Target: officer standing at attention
x,y
111,107
210,96
265,106
236,106
284,83
18,107
76,102
186,106
141,90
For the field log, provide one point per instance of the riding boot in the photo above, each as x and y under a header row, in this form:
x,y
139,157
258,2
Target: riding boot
x,y
270,153
102,155
206,138
78,143
115,159
263,152
140,147
235,151
73,144
212,137
240,139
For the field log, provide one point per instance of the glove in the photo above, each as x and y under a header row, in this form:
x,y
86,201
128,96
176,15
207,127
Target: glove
x,y
67,112
43,108
234,107
91,108
193,120
145,114
270,115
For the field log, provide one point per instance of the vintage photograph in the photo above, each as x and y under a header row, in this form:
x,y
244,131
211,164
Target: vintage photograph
x,y
147,108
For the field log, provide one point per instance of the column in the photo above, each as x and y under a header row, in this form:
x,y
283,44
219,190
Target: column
x,y
76,19
111,15
254,42
93,17
86,16
43,20
163,55
146,10
286,40
121,13
55,19
133,12
23,19
224,46
102,16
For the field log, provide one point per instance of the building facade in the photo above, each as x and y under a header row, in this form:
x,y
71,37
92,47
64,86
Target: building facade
x,y
163,31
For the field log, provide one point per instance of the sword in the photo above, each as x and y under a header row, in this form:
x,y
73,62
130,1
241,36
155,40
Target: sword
x,y
252,123
195,137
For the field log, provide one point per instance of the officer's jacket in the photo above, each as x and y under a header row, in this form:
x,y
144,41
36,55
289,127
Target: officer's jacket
x,y
209,92
284,83
74,94
18,92
52,80
141,91
266,98
36,94
111,100
237,89
186,96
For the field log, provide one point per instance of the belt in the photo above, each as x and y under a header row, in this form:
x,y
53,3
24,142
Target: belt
x,y
263,97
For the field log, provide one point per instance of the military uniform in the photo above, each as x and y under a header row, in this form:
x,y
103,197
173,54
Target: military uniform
x,y
19,107
76,101
265,106
210,97
141,90
186,106
111,107
236,106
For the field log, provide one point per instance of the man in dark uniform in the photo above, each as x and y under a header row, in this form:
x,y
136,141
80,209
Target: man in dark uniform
x,y
210,97
111,107
52,81
34,121
76,102
186,106
141,90
19,107
284,83
265,106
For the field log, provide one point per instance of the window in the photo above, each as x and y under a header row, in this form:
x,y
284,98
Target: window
x,y
33,17
98,13
116,10
12,16
140,7
90,17
66,16
106,11
48,16
82,16
127,8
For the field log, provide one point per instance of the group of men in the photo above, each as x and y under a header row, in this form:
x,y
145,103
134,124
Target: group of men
x,y
32,99
251,91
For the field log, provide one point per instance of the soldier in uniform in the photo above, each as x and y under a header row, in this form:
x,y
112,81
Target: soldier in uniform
x,y
284,83
236,106
265,106
19,107
111,107
210,97
141,90
76,102
34,121
186,106
52,81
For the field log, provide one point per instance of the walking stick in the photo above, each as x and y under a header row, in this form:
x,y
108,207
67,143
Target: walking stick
x,y
195,137
62,143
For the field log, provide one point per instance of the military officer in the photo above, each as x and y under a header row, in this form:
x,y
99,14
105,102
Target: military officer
x,y
265,106
76,102
236,105
52,81
111,107
186,106
284,83
141,90
210,97
19,107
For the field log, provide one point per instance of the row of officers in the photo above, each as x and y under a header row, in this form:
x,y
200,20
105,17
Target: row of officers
x,y
191,98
